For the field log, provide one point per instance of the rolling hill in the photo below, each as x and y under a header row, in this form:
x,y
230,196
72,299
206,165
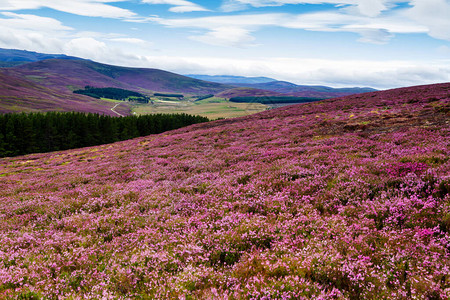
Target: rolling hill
x,y
283,87
345,198
84,72
23,56
49,84
244,91
25,93
292,89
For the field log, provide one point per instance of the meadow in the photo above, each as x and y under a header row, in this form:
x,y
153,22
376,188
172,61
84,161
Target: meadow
x,y
212,108
344,198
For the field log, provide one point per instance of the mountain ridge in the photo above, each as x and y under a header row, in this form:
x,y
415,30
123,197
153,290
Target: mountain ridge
x,y
24,56
293,89
230,79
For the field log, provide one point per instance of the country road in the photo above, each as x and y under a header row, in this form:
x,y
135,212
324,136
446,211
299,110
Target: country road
x,y
119,114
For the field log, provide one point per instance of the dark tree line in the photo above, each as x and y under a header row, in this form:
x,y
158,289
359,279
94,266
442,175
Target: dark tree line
x,y
43,132
274,99
112,93
169,95
204,97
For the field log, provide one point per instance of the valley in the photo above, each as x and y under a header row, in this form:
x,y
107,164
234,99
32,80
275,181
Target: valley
x,y
37,82
212,108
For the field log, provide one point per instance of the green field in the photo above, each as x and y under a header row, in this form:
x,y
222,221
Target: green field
x,y
213,108
112,100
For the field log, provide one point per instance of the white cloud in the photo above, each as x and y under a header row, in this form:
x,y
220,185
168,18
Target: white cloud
x,y
344,73
31,22
375,36
53,37
86,47
32,32
179,6
430,16
235,30
374,21
129,41
232,5
47,35
226,36
369,8
336,73
434,14
232,31
90,8
444,50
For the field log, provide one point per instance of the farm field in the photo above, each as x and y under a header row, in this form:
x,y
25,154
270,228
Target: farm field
x,y
212,108
345,198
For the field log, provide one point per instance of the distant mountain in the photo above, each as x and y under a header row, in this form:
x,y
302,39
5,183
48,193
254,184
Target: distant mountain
x,y
247,92
9,64
228,79
16,57
282,87
80,73
292,89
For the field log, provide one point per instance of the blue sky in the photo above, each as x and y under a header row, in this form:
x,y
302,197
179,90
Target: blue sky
x,y
377,43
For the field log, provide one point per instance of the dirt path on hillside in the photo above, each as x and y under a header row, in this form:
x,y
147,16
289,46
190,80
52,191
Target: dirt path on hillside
x,y
117,113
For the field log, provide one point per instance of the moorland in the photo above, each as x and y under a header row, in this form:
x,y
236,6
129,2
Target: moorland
x,y
345,198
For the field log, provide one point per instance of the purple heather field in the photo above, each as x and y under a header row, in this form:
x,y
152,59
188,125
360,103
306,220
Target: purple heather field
x,y
345,198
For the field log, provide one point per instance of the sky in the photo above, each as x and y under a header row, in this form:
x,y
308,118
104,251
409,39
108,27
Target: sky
x,y
339,43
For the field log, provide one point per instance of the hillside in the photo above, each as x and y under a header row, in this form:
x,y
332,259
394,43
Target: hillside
x,y
247,92
49,84
26,93
84,72
22,56
344,198
283,87
292,89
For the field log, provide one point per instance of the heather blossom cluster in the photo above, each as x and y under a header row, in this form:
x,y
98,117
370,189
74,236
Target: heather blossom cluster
x,y
340,199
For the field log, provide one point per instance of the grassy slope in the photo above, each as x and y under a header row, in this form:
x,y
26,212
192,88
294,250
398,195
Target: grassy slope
x,y
339,199
212,108
27,93
158,80
82,73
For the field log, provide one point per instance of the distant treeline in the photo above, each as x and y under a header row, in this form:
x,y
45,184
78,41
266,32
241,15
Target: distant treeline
x,y
274,100
169,95
204,97
43,132
113,93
